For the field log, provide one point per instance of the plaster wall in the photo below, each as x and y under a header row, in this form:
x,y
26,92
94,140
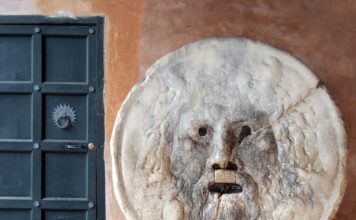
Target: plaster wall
x,y
320,33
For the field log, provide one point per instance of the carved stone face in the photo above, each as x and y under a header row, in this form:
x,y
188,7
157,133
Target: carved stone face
x,y
218,159
228,129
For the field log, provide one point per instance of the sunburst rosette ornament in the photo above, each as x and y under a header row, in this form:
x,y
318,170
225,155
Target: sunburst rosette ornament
x,y
64,116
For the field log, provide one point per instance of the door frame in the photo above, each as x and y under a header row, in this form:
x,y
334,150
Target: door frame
x,y
98,22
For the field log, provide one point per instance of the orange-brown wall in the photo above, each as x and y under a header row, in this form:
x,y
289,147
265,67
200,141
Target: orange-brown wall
x,y
321,33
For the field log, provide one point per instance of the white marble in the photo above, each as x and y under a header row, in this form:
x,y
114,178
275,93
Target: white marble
x,y
228,111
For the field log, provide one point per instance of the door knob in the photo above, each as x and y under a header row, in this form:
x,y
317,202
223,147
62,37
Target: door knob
x,y
91,146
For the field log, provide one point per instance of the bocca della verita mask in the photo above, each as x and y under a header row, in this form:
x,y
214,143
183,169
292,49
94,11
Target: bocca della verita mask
x,y
228,129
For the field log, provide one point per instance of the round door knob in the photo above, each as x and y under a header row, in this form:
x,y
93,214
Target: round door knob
x,y
91,146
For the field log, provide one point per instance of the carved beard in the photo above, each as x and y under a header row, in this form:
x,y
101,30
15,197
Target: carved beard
x,y
229,206
192,176
199,203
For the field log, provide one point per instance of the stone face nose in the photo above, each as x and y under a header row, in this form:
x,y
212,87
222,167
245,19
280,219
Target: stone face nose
x,y
224,143
220,160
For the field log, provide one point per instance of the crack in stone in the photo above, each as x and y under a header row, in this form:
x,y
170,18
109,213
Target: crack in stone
x,y
290,109
302,100
218,208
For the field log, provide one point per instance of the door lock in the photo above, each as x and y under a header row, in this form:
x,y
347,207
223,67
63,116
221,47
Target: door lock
x,y
91,146
74,147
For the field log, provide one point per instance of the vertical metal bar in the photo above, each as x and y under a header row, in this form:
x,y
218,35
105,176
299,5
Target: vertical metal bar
x,y
36,122
100,178
92,137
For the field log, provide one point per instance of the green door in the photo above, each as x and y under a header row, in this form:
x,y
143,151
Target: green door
x,y
51,118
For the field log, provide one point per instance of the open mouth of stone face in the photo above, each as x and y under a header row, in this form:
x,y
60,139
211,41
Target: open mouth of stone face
x,y
224,188
225,182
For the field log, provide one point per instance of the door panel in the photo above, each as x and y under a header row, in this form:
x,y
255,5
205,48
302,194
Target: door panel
x,y
69,184
14,181
65,59
15,48
79,104
50,111
67,215
15,214
15,122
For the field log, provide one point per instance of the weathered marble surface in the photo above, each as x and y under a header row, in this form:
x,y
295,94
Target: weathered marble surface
x,y
290,165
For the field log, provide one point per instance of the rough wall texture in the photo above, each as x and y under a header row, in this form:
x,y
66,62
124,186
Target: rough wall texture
x,y
319,32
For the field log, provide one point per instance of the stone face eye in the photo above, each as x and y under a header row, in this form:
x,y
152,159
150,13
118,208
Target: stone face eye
x,y
245,131
202,131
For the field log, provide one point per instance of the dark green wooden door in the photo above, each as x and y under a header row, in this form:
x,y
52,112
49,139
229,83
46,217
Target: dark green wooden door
x,y
51,118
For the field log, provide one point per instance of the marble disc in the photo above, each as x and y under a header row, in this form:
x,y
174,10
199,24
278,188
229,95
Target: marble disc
x,y
229,128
